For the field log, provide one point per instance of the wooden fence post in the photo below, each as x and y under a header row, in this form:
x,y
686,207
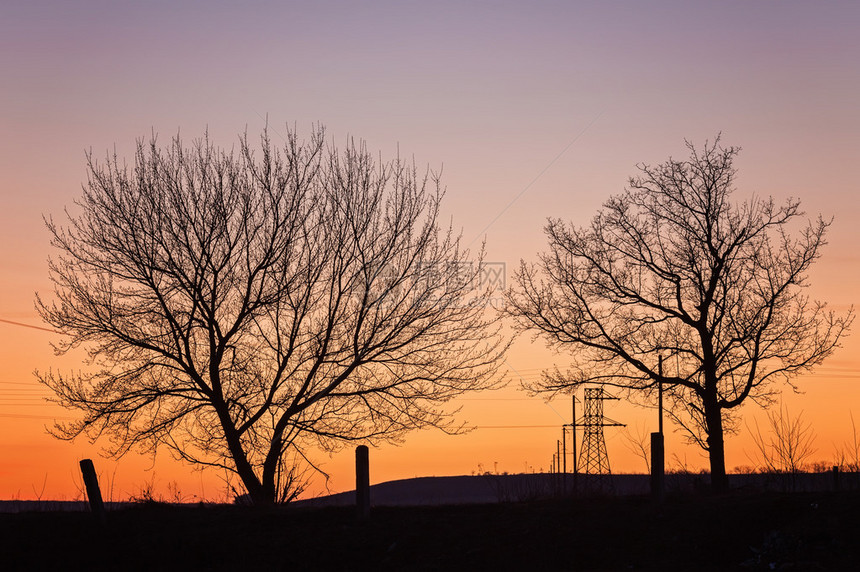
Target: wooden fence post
x,y
94,494
362,482
657,466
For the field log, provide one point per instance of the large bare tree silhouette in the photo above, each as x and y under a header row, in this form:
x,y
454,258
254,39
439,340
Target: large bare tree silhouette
x,y
240,307
673,267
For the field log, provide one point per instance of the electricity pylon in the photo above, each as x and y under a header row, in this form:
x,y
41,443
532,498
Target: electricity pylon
x,y
593,459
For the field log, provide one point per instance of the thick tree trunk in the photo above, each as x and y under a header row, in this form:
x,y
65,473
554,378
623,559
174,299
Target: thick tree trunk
x,y
270,468
716,448
257,490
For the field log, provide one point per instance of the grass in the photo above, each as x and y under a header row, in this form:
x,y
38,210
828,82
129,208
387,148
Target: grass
x,y
801,531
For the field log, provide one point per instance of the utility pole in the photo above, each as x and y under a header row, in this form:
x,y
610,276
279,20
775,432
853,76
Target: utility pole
x,y
563,450
558,454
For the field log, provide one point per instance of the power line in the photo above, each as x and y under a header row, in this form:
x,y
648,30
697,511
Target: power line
x,y
539,175
496,399
515,426
25,387
25,416
23,325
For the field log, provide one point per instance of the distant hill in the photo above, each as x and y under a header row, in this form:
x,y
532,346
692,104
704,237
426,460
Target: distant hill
x,y
492,488
482,489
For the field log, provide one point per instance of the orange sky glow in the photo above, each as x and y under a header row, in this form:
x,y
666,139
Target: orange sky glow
x,y
530,110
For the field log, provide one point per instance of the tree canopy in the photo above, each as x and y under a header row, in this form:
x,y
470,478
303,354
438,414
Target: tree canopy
x,y
240,307
673,267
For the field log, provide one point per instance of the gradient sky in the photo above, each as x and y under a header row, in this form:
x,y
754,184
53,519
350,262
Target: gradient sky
x,y
532,109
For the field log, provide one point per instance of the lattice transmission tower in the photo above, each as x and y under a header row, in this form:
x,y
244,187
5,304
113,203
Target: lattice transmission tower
x,y
593,458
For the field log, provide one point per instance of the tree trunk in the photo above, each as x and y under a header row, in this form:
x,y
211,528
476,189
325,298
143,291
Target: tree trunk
x,y
260,494
270,468
258,491
716,448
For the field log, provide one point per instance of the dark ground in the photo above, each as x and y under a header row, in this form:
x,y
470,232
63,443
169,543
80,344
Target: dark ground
x,y
745,531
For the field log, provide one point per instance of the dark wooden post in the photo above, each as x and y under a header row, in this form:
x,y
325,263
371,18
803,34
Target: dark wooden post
x,y
658,454
660,394
362,482
94,494
657,471
573,441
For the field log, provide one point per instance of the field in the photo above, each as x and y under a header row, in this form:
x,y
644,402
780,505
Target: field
x,y
744,531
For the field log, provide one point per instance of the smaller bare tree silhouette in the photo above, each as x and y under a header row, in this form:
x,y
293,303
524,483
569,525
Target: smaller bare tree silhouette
x,y
788,444
639,443
848,458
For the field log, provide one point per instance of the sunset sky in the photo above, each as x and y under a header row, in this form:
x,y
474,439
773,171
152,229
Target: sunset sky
x,y
530,109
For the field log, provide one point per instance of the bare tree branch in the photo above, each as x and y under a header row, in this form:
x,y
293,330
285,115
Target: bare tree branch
x,y
239,307
673,267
